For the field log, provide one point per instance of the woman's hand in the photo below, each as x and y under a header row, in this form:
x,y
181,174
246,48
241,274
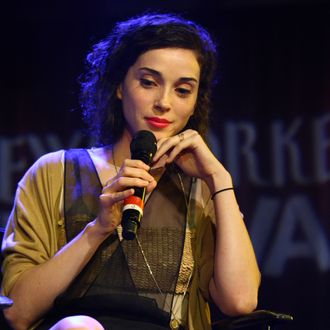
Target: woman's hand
x,y
189,151
132,173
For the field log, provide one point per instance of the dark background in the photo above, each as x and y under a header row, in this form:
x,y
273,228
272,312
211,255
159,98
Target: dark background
x,y
270,124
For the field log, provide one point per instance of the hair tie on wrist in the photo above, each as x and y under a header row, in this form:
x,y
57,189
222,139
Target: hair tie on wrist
x,y
220,191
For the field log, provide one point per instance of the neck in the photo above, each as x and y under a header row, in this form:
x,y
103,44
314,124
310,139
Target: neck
x,y
121,149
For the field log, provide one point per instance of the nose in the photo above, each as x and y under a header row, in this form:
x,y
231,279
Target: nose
x,y
162,102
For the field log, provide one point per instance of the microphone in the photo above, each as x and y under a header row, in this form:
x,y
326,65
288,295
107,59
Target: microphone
x,y
143,147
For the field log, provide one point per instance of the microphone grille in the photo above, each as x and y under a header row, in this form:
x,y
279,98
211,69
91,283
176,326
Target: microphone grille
x,y
144,141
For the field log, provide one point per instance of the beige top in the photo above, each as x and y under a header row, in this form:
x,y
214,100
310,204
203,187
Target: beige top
x,y
35,232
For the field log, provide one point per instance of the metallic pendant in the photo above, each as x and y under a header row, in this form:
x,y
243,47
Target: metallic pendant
x,y
174,324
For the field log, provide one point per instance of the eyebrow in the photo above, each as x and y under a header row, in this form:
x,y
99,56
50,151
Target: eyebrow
x,y
157,73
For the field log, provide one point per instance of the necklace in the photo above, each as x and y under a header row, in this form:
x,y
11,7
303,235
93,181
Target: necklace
x,y
174,322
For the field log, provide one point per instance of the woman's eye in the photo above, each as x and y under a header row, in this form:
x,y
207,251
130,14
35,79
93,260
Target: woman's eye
x,y
183,91
147,82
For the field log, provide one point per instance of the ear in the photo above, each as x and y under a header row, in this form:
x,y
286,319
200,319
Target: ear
x,y
119,92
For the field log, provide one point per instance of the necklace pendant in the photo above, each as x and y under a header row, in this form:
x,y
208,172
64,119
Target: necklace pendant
x,y
174,324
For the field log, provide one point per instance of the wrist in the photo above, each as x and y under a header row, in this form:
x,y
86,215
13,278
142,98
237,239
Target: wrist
x,y
219,180
96,232
220,191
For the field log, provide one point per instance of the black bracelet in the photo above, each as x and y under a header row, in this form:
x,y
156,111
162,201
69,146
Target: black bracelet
x,y
220,191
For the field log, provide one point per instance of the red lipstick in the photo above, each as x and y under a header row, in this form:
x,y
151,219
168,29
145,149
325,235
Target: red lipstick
x,y
157,122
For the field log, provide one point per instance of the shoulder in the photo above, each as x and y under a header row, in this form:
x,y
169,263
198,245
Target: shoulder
x,y
53,162
50,160
45,168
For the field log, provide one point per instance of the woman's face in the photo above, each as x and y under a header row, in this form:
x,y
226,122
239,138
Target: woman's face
x,y
160,90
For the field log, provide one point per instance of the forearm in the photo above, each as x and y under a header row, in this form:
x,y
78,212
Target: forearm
x,y
36,289
236,277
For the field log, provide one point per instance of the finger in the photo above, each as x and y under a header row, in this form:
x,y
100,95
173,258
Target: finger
x,y
123,183
135,163
176,152
164,146
133,172
181,136
151,186
109,199
176,142
189,141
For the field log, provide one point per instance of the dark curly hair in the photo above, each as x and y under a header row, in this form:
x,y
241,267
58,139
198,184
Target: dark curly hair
x,y
110,59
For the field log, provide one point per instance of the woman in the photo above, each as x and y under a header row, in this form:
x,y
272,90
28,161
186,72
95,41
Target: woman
x,y
66,264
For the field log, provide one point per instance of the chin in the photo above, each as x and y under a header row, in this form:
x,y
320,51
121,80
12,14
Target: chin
x,y
159,133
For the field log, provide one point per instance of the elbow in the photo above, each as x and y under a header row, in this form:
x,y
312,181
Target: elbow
x,y
15,320
243,301
235,302
239,306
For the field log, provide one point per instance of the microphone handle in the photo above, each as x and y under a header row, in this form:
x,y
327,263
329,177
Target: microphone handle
x,y
132,213
133,205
